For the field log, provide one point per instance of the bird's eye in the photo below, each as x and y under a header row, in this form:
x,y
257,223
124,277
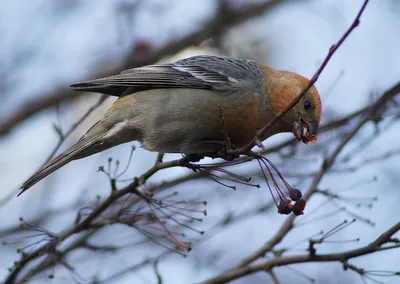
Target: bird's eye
x,y
307,104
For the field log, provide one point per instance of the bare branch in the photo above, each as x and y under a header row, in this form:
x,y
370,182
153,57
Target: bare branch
x,y
375,246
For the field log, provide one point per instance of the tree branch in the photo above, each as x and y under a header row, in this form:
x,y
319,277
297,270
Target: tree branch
x,y
280,261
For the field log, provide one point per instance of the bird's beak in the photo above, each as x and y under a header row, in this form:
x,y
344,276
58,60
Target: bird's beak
x,y
306,131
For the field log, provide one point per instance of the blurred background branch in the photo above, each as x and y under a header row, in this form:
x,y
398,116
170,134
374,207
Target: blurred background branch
x,y
145,54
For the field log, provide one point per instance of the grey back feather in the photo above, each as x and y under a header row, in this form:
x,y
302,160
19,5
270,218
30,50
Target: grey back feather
x,y
222,74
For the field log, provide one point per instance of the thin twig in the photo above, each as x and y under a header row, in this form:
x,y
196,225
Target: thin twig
x,y
64,136
228,144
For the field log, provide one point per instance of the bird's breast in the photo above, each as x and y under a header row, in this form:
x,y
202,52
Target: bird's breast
x,y
184,120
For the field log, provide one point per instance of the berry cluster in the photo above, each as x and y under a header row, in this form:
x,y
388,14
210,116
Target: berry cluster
x,y
286,207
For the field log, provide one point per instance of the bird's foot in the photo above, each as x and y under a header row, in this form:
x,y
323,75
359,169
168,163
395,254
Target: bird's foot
x,y
192,158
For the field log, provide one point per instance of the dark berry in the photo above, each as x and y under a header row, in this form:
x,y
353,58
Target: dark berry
x,y
299,207
285,207
295,194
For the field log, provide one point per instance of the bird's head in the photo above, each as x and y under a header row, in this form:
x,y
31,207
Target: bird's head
x,y
303,119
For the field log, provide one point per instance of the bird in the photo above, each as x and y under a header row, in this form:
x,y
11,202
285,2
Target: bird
x,y
175,108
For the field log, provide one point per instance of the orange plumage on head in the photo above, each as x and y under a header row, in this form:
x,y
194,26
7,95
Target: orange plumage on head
x,y
282,87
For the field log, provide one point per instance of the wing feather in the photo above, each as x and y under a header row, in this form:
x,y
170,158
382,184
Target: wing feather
x,y
218,73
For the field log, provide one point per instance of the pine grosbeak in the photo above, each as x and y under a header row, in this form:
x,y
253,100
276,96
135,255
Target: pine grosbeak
x,y
174,108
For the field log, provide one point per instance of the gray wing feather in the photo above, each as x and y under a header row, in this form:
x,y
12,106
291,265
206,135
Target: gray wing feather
x,y
223,74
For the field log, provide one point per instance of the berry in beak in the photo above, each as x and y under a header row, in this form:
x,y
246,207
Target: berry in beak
x,y
305,131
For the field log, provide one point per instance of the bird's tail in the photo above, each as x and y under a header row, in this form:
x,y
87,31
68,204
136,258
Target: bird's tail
x,y
73,153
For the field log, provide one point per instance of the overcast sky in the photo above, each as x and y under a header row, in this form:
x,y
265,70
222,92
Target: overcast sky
x,y
47,44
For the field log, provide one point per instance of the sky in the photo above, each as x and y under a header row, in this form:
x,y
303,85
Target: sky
x,y
48,44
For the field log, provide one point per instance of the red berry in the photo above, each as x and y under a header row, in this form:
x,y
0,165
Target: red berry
x,y
285,207
299,207
295,194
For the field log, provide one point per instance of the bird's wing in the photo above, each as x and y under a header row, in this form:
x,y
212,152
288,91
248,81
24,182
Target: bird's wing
x,y
223,74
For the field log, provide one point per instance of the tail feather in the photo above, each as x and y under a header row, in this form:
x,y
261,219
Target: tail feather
x,y
70,154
